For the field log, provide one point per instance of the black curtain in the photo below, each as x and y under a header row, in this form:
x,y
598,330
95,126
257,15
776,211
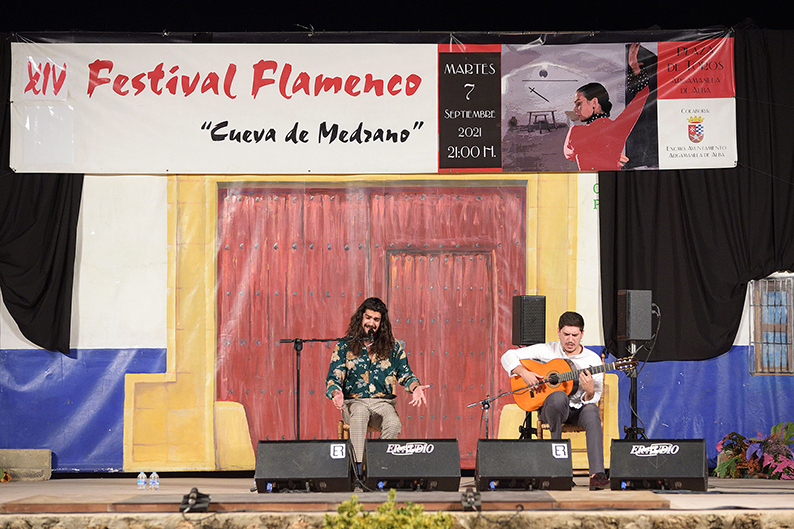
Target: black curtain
x,y
38,232
695,238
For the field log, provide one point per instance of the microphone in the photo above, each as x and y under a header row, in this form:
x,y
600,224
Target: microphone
x,y
195,502
371,334
354,339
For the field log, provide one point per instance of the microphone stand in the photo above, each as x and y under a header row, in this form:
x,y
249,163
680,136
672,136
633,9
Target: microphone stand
x,y
297,346
486,402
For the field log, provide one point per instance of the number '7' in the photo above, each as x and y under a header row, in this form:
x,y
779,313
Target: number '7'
x,y
470,86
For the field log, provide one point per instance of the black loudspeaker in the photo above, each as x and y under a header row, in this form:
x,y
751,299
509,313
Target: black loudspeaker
x,y
523,465
316,466
671,464
634,315
429,464
529,320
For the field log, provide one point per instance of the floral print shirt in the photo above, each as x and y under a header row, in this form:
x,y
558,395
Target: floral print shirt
x,y
360,378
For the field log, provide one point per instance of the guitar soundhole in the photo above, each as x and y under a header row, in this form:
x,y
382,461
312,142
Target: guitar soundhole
x,y
554,379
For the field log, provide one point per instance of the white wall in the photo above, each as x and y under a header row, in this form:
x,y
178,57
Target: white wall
x,y
120,267
588,269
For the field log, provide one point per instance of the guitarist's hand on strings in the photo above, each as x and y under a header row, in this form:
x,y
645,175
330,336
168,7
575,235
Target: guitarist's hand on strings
x,y
529,378
587,384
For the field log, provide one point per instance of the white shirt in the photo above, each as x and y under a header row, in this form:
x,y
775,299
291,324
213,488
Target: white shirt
x,y
543,352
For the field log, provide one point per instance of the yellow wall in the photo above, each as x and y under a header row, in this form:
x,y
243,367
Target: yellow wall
x,y
172,420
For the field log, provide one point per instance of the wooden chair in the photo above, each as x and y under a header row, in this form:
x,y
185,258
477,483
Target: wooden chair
x,y
512,417
572,428
579,452
343,430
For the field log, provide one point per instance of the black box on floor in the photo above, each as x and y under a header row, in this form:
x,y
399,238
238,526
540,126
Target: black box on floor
x,y
413,464
542,464
670,464
316,466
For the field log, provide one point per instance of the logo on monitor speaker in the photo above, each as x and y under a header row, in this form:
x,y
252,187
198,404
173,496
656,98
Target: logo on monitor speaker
x,y
338,451
656,449
409,449
559,451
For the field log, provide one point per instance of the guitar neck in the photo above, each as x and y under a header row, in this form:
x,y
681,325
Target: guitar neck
x,y
594,370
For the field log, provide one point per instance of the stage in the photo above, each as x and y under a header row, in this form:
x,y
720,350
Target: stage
x,y
115,502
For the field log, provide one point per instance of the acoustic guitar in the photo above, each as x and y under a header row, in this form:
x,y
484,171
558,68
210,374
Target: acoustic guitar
x,y
556,375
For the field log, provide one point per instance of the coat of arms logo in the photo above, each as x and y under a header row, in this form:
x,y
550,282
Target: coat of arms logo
x,y
695,129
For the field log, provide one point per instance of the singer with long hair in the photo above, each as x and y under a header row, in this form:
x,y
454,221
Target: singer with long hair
x,y
366,367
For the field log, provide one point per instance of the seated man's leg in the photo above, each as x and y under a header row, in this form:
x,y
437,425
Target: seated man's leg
x,y
356,414
554,412
384,416
588,418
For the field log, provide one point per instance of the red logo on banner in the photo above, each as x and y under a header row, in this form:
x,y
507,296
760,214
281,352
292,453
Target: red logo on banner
x,y
695,129
696,69
44,77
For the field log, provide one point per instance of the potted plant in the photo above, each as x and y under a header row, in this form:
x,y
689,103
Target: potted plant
x,y
768,457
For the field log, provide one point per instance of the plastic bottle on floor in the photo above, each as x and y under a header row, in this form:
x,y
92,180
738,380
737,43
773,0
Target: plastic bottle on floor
x,y
142,481
154,481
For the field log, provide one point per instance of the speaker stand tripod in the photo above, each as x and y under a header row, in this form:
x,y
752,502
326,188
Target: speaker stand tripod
x,y
633,432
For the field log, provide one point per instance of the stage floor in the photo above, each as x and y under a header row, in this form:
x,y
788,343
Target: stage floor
x,y
230,495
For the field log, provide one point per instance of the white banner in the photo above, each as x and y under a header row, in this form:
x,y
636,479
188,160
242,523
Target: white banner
x,y
224,108
372,108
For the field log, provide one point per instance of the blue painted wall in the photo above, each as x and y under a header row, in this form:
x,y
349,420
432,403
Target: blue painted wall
x,y
708,399
73,405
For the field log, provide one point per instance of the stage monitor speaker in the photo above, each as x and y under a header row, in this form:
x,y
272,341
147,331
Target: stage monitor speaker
x,y
414,464
664,464
309,466
634,315
542,464
529,320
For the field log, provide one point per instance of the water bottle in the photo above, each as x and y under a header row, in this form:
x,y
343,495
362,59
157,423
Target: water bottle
x,y
141,481
154,481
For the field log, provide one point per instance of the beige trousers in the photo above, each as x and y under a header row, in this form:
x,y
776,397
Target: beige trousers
x,y
380,414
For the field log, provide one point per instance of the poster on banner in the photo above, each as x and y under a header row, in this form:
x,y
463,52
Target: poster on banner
x,y
621,106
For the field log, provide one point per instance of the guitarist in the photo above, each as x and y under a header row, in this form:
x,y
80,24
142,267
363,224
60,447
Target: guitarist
x,y
579,408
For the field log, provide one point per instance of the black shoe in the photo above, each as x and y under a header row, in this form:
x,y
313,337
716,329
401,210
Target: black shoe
x,y
599,481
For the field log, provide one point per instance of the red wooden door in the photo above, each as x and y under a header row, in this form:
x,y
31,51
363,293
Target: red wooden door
x,y
291,264
442,306
296,263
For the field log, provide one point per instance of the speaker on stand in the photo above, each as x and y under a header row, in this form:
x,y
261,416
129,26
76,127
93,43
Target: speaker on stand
x,y
529,328
633,325
529,320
